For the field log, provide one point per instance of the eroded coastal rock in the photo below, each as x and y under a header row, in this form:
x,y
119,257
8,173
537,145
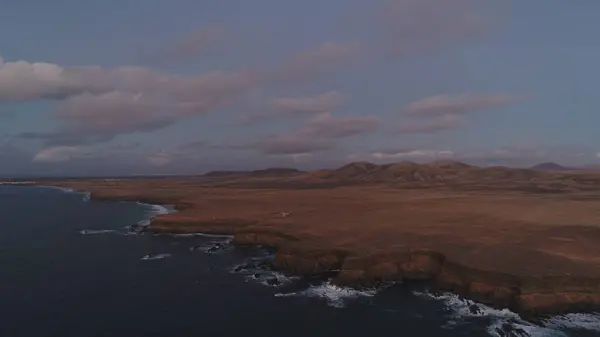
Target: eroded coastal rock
x,y
532,298
309,263
261,238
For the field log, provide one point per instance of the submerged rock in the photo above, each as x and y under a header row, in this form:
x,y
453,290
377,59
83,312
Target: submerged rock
x,y
474,309
216,247
273,281
507,330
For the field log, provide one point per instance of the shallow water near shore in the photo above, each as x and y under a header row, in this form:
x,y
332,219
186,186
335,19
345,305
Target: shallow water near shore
x,y
71,267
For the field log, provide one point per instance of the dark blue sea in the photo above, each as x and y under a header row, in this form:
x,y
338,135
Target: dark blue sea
x,y
71,267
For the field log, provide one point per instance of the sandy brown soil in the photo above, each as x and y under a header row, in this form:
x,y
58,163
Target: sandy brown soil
x,y
523,239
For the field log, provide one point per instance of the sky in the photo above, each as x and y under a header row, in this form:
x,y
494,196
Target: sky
x,y
189,86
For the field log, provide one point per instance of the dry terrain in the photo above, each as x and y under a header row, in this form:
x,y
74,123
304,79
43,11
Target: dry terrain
x,y
526,239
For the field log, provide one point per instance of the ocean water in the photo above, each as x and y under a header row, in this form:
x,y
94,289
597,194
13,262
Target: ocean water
x,y
71,267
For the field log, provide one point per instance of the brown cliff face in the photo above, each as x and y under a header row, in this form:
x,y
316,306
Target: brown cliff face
x,y
178,225
530,297
266,239
366,271
309,264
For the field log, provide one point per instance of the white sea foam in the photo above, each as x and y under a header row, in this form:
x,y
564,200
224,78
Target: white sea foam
x,y
530,330
87,196
265,277
281,279
589,322
459,312
63,189
96,231
150,257
335,296
214,246
459,308
154,210
159,210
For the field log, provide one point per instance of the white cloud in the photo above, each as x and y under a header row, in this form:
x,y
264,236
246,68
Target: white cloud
x,y
441,105
21,81
161,158
58,154
413,154
325,102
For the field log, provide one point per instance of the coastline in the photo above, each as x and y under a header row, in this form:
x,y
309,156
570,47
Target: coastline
x,y
156,209
532,298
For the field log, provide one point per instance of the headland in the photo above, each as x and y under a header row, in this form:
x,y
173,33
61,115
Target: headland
x,y
523,239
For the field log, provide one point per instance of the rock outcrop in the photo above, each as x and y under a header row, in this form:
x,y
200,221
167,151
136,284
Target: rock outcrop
x,y
530,297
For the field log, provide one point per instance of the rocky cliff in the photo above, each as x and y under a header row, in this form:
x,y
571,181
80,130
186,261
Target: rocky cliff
x,y
531,297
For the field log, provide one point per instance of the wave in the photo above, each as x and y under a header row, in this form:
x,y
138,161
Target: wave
x,y
155,210
504,322
96,231
160,210
87,196
271,278
149,257
579,321
335,296
63,189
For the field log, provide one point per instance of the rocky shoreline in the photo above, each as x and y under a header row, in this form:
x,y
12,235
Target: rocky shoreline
x,y
533,298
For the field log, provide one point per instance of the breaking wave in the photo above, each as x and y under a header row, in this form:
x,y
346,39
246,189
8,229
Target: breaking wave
x,y
96,231
272,278
589,322
86,196
153,210
149,257
335,296
63,189
507,323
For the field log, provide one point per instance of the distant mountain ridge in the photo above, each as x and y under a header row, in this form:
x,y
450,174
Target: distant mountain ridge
x,y
268,172
438,172
406,171
551,166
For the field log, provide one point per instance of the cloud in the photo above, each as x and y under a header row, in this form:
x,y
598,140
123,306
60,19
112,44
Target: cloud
x,y
22,81
413,154
326,125
115,112
319,134
161,158
420,26
441,105
191,45
321,103
442,123
98,103
295,107
308,64
292,144
59,154
301,157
